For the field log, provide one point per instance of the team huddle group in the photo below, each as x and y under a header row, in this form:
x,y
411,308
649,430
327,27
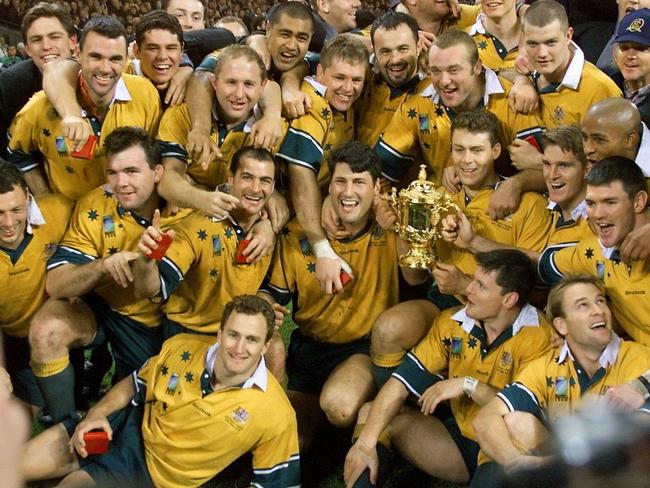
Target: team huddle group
x,y
175,213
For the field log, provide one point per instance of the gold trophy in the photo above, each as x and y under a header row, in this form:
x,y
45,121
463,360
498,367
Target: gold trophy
x,y
420,209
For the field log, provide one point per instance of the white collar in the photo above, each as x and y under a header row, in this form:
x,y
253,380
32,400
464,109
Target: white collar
x,y
492,86
320,88
121,92
478,27
574,71
607,358
259,377
579,211
607,251
137,68
643,155
34,214
255,116
528,317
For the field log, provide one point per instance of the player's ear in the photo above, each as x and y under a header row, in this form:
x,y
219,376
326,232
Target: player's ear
x,y
496,150
640,201
158,171
510,299
560,325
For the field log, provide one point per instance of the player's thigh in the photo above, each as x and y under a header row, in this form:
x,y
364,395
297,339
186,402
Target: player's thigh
x,y
401,327
72,320
48,455
425,442
350,385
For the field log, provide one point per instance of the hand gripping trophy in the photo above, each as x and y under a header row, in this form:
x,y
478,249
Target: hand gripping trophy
x,y
420,209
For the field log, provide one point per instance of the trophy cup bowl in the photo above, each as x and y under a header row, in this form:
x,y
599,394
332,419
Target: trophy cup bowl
x,y
420,209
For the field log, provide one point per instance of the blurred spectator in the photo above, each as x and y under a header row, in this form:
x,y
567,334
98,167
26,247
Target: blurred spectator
x,y
11,58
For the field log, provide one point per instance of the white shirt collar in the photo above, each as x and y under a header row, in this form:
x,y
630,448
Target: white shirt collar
x,y
478,27
121,92
607,358
607,251
528,317
259,377
137,69
579,211
574,71
34,215
321,89
643,155
492,86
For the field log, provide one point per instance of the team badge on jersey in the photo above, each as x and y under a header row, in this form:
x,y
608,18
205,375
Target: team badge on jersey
x,y
600,270
240,415
424,124
305,247
216,246
561,388
172,384
61,146
456,347
108,226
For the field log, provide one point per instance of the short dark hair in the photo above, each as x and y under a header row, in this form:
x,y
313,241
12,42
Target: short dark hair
x,y
126,137
293,9
158,19
11,176
391,20
514,271
458,37
45,9
235,51
545,12
104,26
568,138
478,121
357,156
251,305
345,47
618,168
259,154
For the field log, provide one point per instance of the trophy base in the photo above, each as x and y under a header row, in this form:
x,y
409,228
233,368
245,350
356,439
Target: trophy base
x,y
421,260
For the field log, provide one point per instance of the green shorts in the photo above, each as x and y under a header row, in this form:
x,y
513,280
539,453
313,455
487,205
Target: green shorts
x,y
132,343
123,465
310,362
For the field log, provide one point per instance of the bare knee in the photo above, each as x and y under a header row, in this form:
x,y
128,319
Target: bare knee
x,y
341,411
400,328
46,335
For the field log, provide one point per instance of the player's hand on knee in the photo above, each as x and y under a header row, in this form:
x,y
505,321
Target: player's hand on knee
x,y
441,391
359,457
118,266
90,423
280,313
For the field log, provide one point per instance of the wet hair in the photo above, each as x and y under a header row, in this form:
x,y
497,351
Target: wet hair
x,y
545,12
11,176
104,26
158,19
391,20
126,137
239,51
478,121
457,37
251,305
568,138
514,271
45,9
554,307
259,154
357,156
618,168
344,47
